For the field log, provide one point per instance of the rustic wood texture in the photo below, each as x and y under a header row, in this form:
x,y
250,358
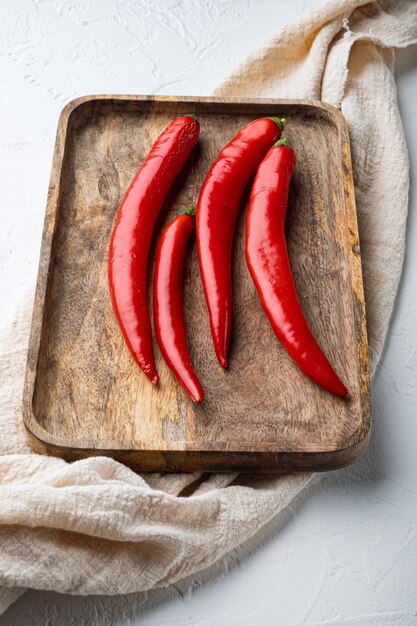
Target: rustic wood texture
x,y
84,395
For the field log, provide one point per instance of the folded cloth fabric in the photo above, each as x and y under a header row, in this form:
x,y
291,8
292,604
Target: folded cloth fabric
x,y
94,526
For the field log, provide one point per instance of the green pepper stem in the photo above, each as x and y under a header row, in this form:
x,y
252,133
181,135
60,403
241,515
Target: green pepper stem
x,y
280,121
283,142
189,211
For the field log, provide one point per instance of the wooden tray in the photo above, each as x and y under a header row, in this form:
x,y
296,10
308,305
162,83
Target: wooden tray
x,y
85,396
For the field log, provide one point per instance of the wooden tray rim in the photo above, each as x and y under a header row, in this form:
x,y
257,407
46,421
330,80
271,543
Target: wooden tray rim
x,y
46,442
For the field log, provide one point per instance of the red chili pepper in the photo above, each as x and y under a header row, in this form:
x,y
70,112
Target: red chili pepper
x,y
267,258
167,302
217,209
131,238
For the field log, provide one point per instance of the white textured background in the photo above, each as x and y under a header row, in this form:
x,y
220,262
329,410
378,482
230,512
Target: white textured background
x,y
346,551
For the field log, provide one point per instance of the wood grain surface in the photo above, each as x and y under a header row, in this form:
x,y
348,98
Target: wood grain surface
x,y
84,395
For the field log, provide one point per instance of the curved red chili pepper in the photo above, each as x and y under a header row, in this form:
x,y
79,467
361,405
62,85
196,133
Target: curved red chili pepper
x,y
131,238
268,262
167,302
217,209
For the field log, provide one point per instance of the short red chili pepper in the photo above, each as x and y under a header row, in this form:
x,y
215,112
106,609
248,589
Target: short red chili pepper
x,y
268,262
131,238
217,209
167,302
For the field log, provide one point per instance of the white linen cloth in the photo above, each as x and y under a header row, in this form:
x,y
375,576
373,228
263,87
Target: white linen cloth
x,y
94,526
